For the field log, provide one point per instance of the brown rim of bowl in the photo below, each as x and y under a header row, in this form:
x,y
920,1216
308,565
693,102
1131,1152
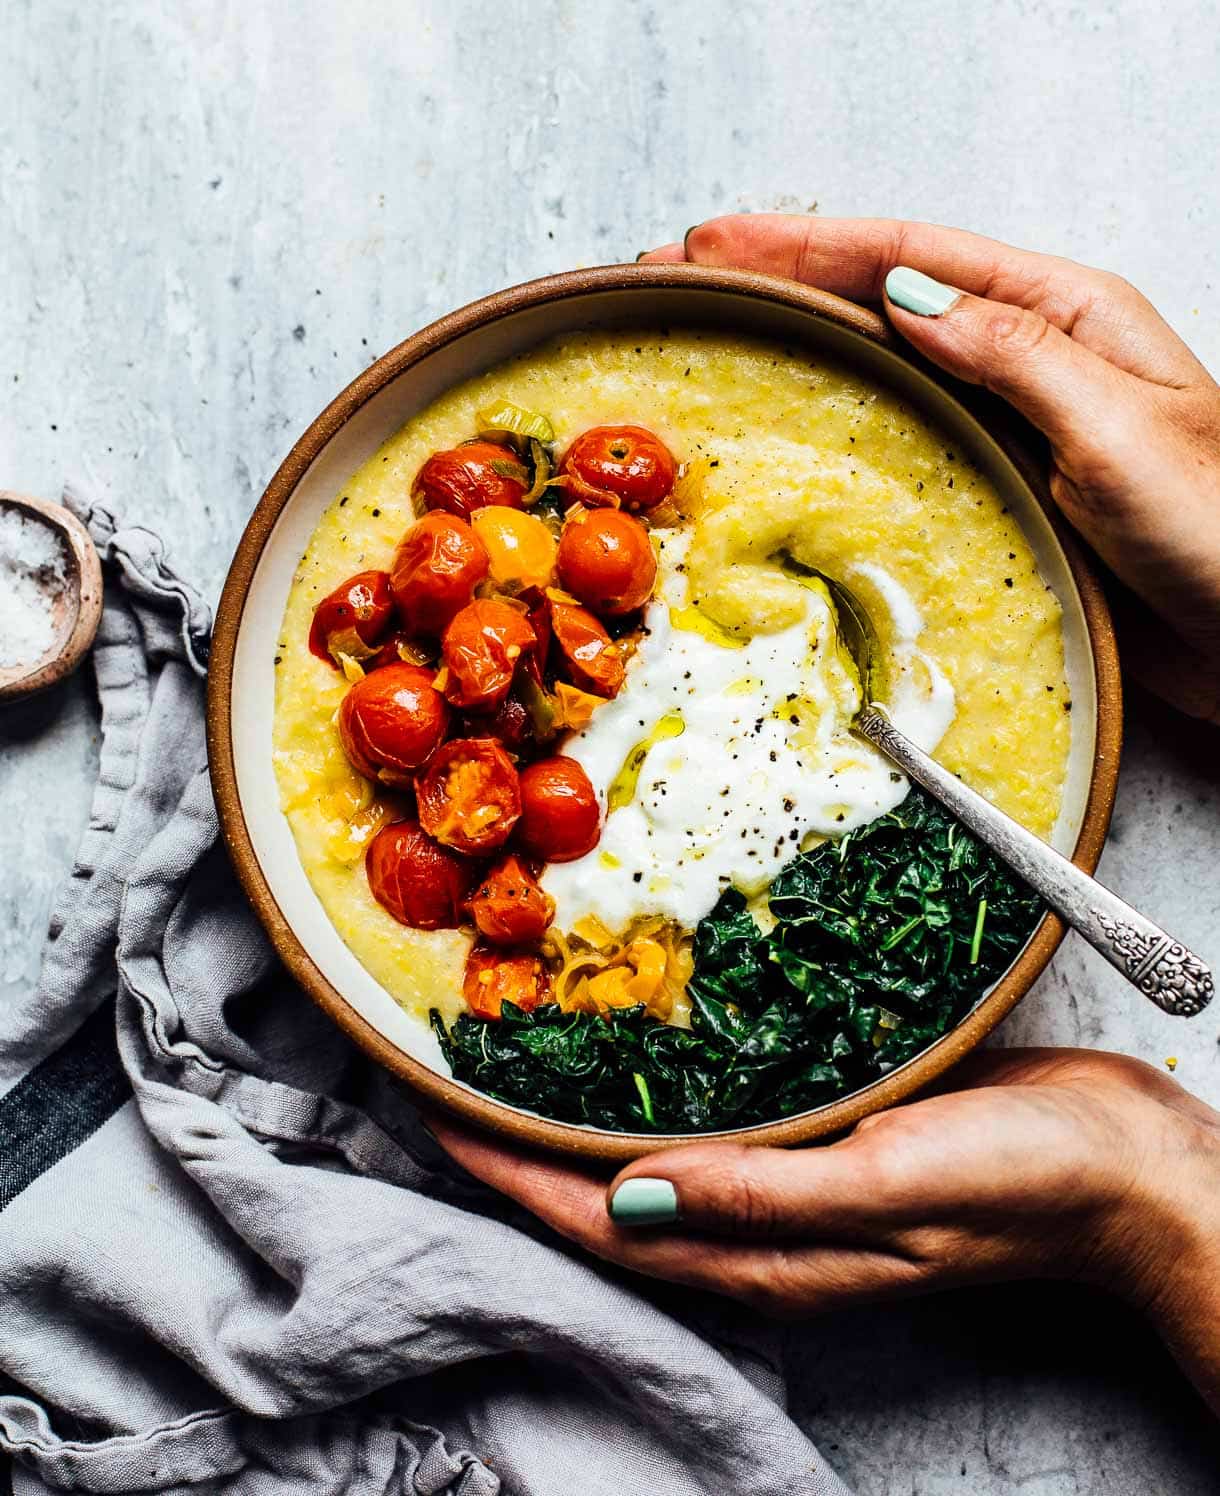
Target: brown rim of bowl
x,y
85,585
470,1106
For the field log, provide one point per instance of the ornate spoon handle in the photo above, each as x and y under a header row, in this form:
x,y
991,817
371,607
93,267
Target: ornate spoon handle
x,y
1162,968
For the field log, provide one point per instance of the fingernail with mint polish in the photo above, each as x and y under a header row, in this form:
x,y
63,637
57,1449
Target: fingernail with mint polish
x,y
644,1202
916,292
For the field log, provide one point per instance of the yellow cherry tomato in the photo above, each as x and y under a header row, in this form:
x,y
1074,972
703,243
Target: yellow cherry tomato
x,y
521,547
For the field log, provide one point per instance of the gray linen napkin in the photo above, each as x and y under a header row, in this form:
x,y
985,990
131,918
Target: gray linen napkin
x,y
230,1260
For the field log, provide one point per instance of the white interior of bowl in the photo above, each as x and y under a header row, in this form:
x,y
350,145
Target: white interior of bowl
x,y
253,694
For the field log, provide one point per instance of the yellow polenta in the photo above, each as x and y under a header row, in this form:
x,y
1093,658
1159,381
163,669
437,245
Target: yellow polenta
x,y
791,453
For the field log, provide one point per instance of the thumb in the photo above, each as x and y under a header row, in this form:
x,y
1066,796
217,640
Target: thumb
x,y
732,1190
1078,400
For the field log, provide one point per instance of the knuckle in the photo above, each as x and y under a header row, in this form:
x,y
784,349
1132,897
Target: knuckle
x,y
1137,1074
806,261
884,1173
735,1190
1111,286
1111,300
1016,334
750,1204
1196,415
1085,1067
706,240
777,1288
926,1248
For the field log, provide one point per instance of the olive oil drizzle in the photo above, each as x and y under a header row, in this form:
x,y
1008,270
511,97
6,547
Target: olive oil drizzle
x,y
624,784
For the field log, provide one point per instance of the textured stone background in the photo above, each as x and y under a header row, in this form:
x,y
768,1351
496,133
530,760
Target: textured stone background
x,y
213,216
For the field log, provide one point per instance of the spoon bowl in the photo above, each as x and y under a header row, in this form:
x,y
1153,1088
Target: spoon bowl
x,y
1163,969
853,625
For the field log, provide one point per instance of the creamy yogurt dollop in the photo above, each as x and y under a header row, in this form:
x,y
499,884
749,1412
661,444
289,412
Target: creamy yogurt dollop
x,y
762,755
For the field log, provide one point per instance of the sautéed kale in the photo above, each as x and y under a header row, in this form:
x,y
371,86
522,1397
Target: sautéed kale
x,y
884,939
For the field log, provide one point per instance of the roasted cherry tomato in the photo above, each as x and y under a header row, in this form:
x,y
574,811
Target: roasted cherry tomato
x,y
437,565
398,649
494,977
391,722
386,655
560,816
540,622
510,722
521,547
619,465
363,603
482,648
469,795
421,884
606,559
591,659
509,906
476,473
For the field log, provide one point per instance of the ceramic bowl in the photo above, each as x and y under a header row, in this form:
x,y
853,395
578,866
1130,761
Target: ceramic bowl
x,y
377,404
76,611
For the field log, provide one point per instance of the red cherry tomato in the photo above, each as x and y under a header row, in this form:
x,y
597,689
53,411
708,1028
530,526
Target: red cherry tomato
x,y
590,658
560,816
391,722
421,884
363,603
616,465
509,906
511,723
469,796
495,977
391,653
606,559
437,565
540,621
471,476
482,648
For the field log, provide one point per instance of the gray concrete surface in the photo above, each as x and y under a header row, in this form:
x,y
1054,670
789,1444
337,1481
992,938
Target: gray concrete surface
x,y
213,216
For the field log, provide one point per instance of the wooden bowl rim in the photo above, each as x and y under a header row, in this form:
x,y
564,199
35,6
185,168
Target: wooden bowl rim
x,y
469,1105
85,585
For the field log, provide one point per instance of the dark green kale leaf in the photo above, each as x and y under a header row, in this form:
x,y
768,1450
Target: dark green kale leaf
x,y
883,940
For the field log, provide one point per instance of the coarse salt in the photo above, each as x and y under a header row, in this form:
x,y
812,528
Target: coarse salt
x,y
33,576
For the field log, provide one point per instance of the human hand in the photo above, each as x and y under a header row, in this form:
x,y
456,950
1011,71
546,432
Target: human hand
x,y
1132,417
1051,1163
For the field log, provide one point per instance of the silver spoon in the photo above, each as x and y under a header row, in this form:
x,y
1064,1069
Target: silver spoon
x,y
1163,969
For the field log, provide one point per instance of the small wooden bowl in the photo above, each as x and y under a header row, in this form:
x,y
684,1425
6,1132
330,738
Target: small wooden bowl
x,y
241,682
77,611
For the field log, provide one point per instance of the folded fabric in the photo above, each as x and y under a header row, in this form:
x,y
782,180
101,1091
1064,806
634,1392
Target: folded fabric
x,y
231,1260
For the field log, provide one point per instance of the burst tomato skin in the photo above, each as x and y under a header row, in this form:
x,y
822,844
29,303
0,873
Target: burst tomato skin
x,y
364,602
468,477
391,722
511,723
420,883
590,658
386,655
438,564
560,816
482,648
508,905
606,560
615,465
495,977
470,795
